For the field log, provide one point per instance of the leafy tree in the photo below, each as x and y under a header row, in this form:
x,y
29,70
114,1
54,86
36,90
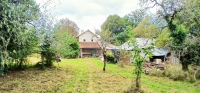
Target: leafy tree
x,y
26,44
74,48
70,26
15,17
47,52
67,45
105,39
146,29
139,59
45,34
116,25
163,39
182,20
135,17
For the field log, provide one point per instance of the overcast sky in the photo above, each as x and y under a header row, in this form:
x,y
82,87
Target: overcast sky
x,y
90,14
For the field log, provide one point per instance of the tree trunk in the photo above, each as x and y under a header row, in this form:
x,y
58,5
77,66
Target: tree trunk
x,y
184,66
196,73
137,82
104,61
138,78
184,62
3,61
104,66
42,67
1,65
20,63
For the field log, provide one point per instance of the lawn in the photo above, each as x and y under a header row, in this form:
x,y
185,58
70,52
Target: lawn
x,y
86,76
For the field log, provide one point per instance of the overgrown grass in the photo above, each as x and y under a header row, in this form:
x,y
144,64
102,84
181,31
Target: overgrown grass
x,y
175,72
86,76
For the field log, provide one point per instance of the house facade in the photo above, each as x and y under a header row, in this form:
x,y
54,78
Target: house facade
x,y
88,42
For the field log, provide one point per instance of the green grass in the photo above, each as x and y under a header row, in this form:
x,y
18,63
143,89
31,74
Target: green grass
x,y
86,76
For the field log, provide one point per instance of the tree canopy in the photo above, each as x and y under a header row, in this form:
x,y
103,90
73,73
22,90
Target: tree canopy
x,y
182,21
145,29
17,36
116,25
70,26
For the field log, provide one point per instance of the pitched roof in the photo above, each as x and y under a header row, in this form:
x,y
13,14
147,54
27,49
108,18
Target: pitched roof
x,y
89,32
111,46
159,52
142,42
89,45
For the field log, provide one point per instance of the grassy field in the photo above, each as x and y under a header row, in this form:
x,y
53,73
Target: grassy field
x,y
86,76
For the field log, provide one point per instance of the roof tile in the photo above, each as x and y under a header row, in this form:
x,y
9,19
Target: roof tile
x,y
89,45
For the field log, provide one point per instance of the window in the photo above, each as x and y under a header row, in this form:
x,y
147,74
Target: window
x,y
84,40
92,40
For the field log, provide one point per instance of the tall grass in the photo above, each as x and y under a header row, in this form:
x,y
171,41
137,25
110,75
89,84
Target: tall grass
x,y
175,72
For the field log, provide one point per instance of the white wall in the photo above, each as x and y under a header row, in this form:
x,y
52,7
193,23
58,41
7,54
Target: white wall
x,y
88,36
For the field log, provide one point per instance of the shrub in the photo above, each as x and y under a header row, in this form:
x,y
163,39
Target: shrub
x,y
110,57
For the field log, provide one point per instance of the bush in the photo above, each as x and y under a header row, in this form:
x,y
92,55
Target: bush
x,y
110,57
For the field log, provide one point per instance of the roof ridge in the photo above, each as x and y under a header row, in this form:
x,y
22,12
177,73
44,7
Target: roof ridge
x,y
87,31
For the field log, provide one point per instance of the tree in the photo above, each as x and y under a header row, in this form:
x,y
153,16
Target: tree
x,y
116,25
45,34
26,42
70,26
47,52
15,17
67,45
105,39
132,19
136,54
180,15
163,40
145,29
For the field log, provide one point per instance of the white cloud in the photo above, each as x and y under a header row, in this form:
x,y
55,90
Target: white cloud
x,y
90,14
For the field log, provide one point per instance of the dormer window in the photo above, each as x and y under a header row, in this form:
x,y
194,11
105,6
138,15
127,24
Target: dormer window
x,y
84,40
92,40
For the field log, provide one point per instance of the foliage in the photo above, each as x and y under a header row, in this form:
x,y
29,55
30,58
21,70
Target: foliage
x,y
175,72
74,48
139,59
135,17
123,55
47,52
163,40
106,38
110,57
15,21
27,43
70,26
182,17
116,25
145,29
67,46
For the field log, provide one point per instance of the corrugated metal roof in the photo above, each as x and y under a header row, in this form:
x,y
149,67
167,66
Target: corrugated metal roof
x,y
145,42
159,52
142,42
